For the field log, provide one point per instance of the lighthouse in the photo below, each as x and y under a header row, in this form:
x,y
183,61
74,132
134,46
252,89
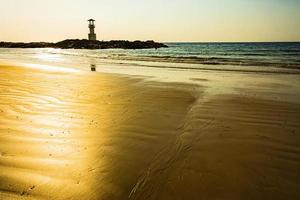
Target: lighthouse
x,y
92,34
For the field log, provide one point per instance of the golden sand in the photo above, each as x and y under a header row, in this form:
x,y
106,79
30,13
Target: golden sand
x,y
80,135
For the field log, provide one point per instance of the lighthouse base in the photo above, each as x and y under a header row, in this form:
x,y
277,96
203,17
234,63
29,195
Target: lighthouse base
x,y
92,36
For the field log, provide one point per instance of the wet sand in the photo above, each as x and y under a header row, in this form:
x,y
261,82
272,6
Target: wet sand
x,y
84,135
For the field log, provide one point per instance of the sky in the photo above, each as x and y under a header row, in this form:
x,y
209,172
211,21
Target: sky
x,y
159,20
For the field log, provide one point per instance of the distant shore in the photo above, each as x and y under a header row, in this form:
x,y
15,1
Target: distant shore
x,y
87,44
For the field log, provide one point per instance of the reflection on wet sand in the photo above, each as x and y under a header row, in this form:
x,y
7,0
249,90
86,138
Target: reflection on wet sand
x,y
83,135
80,136
93,67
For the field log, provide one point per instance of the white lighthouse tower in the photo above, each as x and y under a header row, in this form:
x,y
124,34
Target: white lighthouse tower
x,y
92,34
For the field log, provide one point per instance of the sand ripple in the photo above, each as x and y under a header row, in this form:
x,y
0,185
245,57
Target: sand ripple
x,y
95,136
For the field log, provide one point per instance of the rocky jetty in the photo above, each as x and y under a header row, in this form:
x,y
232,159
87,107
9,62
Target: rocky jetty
x,y
26,45
87,44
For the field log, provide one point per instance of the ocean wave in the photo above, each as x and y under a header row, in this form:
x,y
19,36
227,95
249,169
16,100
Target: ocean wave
x,y
235,61
227,55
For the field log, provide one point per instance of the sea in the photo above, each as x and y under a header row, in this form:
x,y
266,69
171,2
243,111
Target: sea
x,y
240,57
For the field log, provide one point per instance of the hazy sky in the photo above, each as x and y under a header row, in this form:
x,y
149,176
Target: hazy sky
x,y
161,20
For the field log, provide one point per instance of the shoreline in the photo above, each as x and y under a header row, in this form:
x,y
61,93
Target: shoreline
x,y
85,135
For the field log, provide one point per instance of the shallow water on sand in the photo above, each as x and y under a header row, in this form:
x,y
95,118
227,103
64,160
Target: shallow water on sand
x,y
257,57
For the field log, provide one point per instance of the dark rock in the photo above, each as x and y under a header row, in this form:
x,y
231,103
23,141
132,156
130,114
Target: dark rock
x,y
87,44
26,45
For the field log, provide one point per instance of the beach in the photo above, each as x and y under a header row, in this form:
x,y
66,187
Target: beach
x,y
84,135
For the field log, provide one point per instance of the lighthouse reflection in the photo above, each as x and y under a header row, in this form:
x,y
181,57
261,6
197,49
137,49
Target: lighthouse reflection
x,y
93,67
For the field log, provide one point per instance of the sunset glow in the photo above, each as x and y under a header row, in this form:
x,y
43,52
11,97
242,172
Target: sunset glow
x,y
160,20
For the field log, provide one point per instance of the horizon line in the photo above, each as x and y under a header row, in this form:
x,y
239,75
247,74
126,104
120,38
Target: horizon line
x,y
235,42
163,41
